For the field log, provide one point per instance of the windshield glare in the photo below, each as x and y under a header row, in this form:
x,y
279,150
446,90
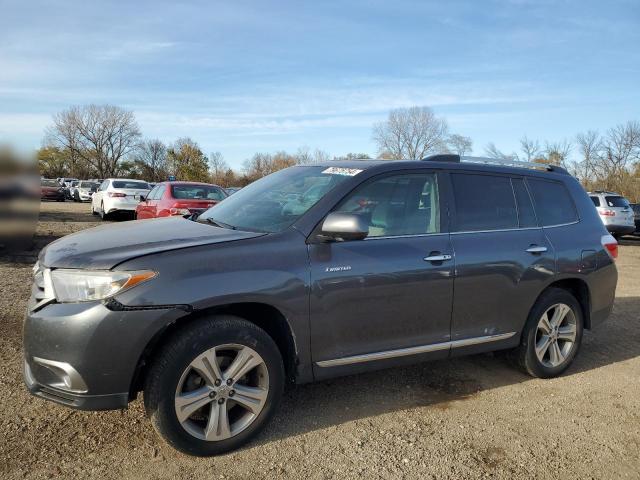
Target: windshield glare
x,y
275,202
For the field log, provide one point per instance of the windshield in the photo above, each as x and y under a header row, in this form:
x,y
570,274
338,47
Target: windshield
x,y
49,183
197,192
616,201
127,184
273,203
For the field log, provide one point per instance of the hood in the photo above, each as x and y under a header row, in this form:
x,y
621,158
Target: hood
x,y
106,246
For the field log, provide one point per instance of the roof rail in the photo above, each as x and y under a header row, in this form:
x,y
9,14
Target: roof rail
x,y
507,162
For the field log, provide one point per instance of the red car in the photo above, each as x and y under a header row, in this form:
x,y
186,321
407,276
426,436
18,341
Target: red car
x,y
51,190
179,198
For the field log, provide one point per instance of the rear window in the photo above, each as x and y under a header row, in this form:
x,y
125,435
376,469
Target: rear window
x,y
127,184
483,202
197,192
595,200
616,201
554,205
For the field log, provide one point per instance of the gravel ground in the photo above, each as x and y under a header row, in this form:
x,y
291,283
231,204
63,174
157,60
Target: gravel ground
x,y
473,417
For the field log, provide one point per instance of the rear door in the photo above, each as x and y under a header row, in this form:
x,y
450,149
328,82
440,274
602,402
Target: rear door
x,y
502,257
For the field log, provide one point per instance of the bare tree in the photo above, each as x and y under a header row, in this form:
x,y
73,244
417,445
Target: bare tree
x,y
530,149
410,133
218,167
492,151
588,146
459,144
557,153
99,135
151,160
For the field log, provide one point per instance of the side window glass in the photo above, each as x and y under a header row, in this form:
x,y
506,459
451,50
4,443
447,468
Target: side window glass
x,y
159,192
526,215
595,200
483,202
553,202
104,185
397,205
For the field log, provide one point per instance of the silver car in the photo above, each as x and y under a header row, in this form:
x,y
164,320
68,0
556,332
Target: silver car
x,y
615,212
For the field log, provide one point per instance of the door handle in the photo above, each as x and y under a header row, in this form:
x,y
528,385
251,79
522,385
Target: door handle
x,y
437,258
536,249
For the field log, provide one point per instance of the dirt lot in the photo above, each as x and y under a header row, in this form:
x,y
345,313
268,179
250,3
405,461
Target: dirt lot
x,y
472,417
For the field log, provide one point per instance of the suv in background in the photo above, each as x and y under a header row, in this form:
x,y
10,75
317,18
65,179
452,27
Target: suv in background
x,y
615,212
636,215
386,264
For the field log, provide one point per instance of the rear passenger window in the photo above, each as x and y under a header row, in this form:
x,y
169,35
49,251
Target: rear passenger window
x,y
483,202
595,200
554,205
526,214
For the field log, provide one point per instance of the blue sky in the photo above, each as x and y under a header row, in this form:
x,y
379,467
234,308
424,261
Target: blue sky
x,y
241,76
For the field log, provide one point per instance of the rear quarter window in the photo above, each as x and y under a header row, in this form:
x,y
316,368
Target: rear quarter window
x,y
554,205
595,200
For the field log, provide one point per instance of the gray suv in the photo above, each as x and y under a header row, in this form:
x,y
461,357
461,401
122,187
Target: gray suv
x,y
311,273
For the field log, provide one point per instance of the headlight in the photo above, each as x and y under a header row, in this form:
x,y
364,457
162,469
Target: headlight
x,y
84,285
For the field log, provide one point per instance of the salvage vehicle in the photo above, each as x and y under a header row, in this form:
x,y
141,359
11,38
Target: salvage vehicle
x,y
116,195
391,263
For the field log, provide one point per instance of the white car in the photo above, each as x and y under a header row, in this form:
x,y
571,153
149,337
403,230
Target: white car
x,y
117,195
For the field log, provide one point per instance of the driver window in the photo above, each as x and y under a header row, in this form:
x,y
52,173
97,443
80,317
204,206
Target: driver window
x,y
152,193
397,205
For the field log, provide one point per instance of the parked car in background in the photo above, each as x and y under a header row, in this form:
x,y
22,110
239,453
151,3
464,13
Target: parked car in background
x,y
636,215
179,198
232,190
118,195
84,191
50,189
394,263
66,181
615,212
69,192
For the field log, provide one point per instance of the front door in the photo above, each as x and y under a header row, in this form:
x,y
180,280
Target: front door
x,y
389,295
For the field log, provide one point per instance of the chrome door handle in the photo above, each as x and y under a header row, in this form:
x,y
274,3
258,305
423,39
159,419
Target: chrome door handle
x,y
536,249
437,258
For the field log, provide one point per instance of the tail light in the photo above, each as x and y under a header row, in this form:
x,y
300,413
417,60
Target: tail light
x,y
610,245
608,213
179,211
117,194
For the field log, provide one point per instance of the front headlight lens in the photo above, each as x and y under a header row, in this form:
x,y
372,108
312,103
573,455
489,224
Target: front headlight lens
x,y
84,285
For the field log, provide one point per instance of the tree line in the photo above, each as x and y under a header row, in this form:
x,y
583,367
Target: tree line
x,y
99,141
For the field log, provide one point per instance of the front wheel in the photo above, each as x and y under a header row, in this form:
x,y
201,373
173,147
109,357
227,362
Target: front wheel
x,y
552,335
214,385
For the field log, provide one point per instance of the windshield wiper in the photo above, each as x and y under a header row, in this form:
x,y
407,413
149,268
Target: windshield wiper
x,y
218,223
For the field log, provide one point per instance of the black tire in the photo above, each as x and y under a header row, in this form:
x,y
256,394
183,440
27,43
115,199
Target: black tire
x,y
93,211
174,358
525,354
103,216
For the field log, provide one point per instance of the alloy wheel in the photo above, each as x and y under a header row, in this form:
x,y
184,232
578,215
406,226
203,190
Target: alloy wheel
x,y
222,392
556,335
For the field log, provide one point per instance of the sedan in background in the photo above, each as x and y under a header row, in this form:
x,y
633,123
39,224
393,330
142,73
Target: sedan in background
x,y
118,195
179,198
51,190
84,191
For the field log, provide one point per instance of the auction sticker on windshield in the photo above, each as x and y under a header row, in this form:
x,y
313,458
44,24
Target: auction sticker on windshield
x,y
342,171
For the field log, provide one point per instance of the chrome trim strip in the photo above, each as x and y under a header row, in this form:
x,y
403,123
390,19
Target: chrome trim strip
x,y
561,224
403,352
407,236
479,340
498,230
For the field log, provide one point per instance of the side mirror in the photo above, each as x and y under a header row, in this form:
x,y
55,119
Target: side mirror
x,y
342,226
142,198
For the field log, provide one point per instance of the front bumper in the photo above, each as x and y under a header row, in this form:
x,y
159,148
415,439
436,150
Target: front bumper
x,y
103,347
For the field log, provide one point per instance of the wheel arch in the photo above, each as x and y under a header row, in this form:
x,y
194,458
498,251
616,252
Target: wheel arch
x,y
579,288
263,315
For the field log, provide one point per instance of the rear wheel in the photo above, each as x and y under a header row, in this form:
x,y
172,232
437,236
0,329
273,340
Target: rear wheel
x,y
552,335
103,215
214,386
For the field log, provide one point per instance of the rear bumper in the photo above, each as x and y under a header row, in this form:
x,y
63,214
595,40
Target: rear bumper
x,y
621,229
